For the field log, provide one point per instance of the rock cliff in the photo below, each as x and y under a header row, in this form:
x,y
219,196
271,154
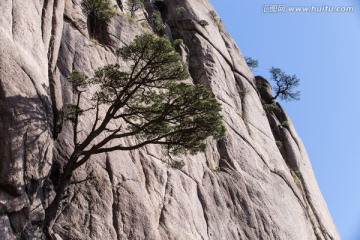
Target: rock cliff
x,y
256,183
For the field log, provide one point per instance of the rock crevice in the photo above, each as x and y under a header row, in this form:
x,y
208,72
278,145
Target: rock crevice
x,y
242,187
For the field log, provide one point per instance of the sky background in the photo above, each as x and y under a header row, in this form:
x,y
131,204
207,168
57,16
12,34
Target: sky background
x,y
323,50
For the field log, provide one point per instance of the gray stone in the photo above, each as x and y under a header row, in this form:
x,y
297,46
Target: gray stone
x,y
242,187
265,90
6,232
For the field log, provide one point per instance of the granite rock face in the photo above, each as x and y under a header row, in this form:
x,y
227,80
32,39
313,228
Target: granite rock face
x,y
256,183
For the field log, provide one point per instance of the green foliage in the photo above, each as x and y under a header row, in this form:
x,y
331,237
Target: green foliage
x,y
252,63
94,41
73,111
187,124
271,107
178,42
177,164
144,25
134,5
158,22
203,23
78,79
160,5
181,11
285,85
279,144
298,173
217,168
297,181
259,82
215,18
132,18
154,58
101,10
156,108
285,124
243,92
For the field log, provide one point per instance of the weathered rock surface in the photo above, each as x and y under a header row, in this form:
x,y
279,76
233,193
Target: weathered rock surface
x,y
260,192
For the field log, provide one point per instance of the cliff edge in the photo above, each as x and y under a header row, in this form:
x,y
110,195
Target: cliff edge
x,y
256,183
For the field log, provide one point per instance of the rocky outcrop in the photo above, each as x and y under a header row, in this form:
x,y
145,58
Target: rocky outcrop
x,y
30,38
246,186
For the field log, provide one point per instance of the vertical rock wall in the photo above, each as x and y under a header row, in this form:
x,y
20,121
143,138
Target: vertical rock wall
x,y
242,187
30,36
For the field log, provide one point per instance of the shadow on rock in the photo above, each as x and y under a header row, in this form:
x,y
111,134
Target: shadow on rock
x,y
26,146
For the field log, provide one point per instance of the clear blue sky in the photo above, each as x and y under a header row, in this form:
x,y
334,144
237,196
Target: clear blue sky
x,y
323,50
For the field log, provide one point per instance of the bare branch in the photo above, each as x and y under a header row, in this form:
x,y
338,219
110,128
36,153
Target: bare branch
x,y
96,116
76,121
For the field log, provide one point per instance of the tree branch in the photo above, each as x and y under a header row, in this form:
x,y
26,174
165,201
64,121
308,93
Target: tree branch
x,y
76,121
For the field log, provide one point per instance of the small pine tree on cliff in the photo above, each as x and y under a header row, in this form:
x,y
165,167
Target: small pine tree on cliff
x,y
134,5
285,85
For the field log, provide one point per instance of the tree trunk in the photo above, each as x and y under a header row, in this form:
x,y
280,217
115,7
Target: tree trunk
x,y
52,211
